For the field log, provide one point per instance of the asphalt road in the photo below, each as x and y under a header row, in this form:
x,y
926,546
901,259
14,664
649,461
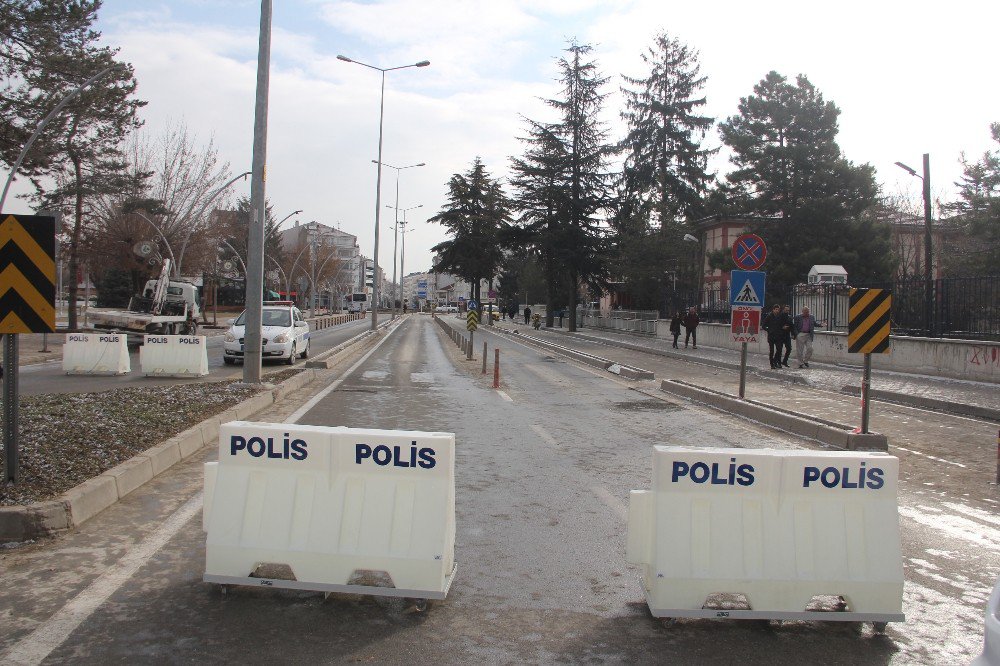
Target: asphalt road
x,y
49,377
543,471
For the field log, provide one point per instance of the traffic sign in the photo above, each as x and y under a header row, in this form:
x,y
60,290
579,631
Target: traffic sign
x,y
868,322
473,305
749,252
27,274
746,288
745,323
472,320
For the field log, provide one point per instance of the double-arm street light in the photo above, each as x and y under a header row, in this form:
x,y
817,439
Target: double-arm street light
x,y
402,255
928,273
395,235
378,180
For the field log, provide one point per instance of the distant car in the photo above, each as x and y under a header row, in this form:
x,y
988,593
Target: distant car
x,y
446,308
284,333
991,638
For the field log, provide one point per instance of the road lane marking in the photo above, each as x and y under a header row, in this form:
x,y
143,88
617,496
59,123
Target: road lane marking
x,y
422,377
541,432
49,635
504,396
929,457
304,409
612,502
374,374
954,526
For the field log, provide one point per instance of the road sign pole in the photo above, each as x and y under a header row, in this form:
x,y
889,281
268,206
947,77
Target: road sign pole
x,y
484,357
866,381
743,370
468,352
10,408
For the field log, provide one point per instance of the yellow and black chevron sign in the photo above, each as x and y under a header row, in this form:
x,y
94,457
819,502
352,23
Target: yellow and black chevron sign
x,y
472,320
868,324
27,274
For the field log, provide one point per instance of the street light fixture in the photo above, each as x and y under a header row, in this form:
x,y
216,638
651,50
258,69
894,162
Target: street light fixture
x,y
928,274
378,180
395,235
294,212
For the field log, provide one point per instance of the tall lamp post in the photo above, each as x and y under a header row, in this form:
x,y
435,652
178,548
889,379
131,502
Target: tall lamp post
x,y
928,272
294,212
402,257
395,236
378,180
395,233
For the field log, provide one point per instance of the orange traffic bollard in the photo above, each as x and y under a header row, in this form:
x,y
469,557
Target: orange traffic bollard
x,y
496,381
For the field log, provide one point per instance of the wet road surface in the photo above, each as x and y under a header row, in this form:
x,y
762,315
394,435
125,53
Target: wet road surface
x,y
543,471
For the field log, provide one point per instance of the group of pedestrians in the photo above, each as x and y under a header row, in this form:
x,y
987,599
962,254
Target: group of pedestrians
x,y
782,328
690,323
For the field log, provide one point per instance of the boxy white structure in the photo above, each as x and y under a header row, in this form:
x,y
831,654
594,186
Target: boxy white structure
x,y
96,354
778,527
174,356
333,505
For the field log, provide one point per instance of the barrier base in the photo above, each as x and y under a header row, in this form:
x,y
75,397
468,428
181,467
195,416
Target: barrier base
x,y
810,616
329,587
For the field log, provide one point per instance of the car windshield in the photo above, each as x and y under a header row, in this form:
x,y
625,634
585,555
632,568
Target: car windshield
x,y
269,317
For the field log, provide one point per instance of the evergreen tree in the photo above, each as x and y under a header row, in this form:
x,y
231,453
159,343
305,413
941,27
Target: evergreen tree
x,y
976,251
476,215
666,164
790,172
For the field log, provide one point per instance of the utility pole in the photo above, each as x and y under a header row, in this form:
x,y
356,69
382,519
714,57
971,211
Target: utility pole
x,y
928,270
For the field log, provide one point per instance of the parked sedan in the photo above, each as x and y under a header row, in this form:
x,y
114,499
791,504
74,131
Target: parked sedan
x,y
284,334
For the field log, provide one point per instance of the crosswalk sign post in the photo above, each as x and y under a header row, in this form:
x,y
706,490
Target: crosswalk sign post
x,y
471,324
746,298
869,325
27,305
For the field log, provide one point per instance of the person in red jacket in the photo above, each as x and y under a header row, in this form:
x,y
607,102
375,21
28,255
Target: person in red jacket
x,y
691,325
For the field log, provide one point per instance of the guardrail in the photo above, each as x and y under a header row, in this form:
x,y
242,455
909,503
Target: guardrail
x,y
641,322
326,321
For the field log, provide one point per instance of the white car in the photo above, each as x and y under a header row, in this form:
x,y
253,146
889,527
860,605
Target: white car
x,y
446,308
285,334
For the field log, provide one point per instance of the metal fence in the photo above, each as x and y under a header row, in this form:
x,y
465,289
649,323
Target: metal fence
x,y
632,321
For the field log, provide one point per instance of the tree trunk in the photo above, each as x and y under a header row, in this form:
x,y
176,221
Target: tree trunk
x,y
550,302
573,293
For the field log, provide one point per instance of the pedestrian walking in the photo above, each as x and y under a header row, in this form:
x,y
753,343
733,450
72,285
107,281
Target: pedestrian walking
x,y
803,327
786,340
691,326
513,311
675,326
527,314
773,324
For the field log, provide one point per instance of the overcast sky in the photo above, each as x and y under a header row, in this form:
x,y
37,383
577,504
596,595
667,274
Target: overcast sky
x,y
909,77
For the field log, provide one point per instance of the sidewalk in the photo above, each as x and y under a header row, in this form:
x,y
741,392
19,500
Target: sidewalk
x,y
824,376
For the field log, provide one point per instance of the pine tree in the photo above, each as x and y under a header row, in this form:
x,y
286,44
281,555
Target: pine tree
x,y
666,163
476,215
789,168
976,251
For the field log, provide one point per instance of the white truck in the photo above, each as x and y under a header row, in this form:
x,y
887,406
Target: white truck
x,y
166,307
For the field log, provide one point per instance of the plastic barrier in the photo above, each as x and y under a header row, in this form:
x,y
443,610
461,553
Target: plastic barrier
x,y
174,356
790,531
331,508
991,633
96,354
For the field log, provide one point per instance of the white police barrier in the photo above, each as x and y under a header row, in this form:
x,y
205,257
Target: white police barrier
x,y
791,531
336,506
991,634
96,354
174,356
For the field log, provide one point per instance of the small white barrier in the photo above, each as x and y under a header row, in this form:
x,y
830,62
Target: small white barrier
x,y
174,356
336,506
96,354
778,527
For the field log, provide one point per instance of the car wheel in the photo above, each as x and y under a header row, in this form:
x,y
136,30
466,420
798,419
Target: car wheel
x,y
305,352
291,357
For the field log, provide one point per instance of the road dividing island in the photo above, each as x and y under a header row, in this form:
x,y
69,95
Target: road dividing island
x,y
332,509
769,535
174,356
96,354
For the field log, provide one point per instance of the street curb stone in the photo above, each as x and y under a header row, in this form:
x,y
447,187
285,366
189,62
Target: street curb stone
x,y
90,498
821,430
932,404
131,474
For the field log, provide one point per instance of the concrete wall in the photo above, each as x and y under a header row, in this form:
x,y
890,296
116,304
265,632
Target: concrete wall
x,y
962,359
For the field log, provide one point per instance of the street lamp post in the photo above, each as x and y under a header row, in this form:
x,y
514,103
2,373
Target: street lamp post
x,y
294,212
165,241
402,258
378,180
201,211
395,236
928,272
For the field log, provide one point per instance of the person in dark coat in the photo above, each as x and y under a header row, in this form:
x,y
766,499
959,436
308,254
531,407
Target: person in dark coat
x,y
786,341
675,326
774,325
691,325
527,314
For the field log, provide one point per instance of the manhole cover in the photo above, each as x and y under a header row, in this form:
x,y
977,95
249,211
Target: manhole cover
x,y
645,406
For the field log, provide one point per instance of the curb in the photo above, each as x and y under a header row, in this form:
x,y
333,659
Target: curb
x,y
827,432
932,404
781,376
86,500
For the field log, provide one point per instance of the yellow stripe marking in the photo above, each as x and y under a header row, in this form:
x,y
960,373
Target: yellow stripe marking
x,y
878,340
11,230
863,302
12,278
13,324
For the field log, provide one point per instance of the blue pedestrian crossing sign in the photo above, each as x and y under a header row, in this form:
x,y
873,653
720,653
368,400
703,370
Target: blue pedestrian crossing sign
x,y
746,288
473,305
